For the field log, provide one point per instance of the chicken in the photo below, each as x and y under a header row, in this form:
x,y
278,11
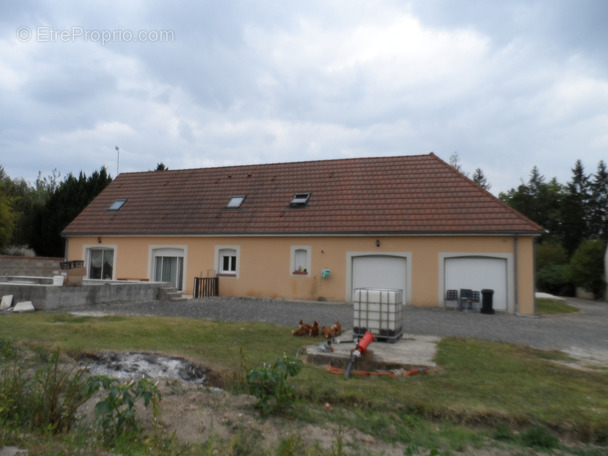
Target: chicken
x,y
325,332
333,331
336,328
305,329
314,331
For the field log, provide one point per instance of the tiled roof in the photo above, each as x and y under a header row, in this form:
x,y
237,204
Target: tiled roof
x,y
418,194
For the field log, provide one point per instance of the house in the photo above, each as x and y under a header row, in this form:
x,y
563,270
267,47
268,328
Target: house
x,y
311,230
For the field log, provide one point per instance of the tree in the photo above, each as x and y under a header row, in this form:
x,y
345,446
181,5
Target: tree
x,y
7,214
598,218
161,167
551,265
574,212
455,163
480,179
539,201
69,199
586,268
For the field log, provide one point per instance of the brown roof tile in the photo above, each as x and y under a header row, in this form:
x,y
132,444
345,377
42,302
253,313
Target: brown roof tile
x,y
405,194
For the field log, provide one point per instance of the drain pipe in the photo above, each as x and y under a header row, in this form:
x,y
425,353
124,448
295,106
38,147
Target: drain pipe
x,y
515,271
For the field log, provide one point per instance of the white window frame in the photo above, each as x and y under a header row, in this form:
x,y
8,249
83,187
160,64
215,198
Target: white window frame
x,y
167,251
292,263
86,254
220,253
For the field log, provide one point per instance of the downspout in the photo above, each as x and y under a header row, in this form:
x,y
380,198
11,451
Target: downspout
x,y
515,270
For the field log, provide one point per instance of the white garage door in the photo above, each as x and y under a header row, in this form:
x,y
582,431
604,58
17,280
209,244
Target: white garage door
x,y
478,273
380,271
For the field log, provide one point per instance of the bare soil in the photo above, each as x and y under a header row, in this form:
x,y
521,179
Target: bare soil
x,y
195,411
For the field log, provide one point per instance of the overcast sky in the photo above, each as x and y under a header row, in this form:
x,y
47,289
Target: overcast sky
x,y
507,85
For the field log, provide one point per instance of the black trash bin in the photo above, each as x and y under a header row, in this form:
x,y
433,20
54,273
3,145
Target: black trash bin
x,y
487,305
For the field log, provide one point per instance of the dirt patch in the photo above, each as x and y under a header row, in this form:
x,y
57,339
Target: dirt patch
x,y
147,365
195,409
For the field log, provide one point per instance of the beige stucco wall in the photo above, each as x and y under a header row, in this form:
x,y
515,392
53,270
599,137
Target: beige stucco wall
x,y
264,267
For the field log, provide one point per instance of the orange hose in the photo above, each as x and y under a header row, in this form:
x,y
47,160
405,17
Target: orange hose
x,y
336,370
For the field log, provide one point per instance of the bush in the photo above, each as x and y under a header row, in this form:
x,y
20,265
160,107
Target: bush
x,y
269,384
539,437
550,254
116,413
551,279
586,268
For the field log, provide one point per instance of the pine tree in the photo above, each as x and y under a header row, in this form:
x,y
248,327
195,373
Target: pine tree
x,y
480,179
598,217
574,210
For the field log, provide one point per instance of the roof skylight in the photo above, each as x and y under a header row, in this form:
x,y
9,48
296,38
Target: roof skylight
x,y
235,202
116,205
300,200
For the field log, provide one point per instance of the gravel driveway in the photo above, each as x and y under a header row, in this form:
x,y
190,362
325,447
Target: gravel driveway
x,y
582,334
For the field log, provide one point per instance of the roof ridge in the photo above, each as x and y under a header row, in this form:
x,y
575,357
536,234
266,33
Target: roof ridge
x,y
287,163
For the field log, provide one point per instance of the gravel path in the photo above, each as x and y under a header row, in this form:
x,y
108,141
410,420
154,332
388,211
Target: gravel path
x,y
585,331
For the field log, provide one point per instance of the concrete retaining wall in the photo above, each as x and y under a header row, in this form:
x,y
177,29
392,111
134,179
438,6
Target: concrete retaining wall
x,y
49,297
29,266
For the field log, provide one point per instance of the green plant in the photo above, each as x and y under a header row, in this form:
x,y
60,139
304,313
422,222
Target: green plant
x,y
540,438
47,402
586,268
56,395
269,384
116,413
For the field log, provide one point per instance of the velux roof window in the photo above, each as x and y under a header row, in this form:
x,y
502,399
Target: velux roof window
x,y
116,205
235,202
300,200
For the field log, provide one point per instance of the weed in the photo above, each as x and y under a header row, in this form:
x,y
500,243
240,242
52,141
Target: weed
x,y
46,402
504,433
291,446
116,413
539,437
269,384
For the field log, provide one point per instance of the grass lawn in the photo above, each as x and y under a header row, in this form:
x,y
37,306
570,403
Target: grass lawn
x,y
481,391
552,307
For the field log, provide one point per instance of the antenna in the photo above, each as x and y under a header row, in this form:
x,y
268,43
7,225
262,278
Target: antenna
x,y
117,160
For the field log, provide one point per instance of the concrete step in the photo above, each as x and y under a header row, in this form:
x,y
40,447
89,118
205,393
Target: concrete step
x,y
172,294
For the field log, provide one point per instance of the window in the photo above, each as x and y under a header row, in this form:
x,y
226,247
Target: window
x,y
300,200
169,269
101,264
116,205
235,202
300,260
228,261
167,263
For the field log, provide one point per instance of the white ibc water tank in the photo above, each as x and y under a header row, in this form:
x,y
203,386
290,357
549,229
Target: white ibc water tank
x,y
379,311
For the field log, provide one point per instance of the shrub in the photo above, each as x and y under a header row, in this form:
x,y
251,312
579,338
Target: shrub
x,y
551,279
540,438
586,268
116,413
269,384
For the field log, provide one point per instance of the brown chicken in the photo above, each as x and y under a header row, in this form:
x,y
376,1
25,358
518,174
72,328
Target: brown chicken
x,y
333,331
305,329
314,331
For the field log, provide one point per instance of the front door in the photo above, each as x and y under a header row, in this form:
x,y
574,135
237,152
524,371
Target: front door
x,y
169,269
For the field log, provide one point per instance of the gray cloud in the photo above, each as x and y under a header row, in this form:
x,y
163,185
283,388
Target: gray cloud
x,y
507,85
